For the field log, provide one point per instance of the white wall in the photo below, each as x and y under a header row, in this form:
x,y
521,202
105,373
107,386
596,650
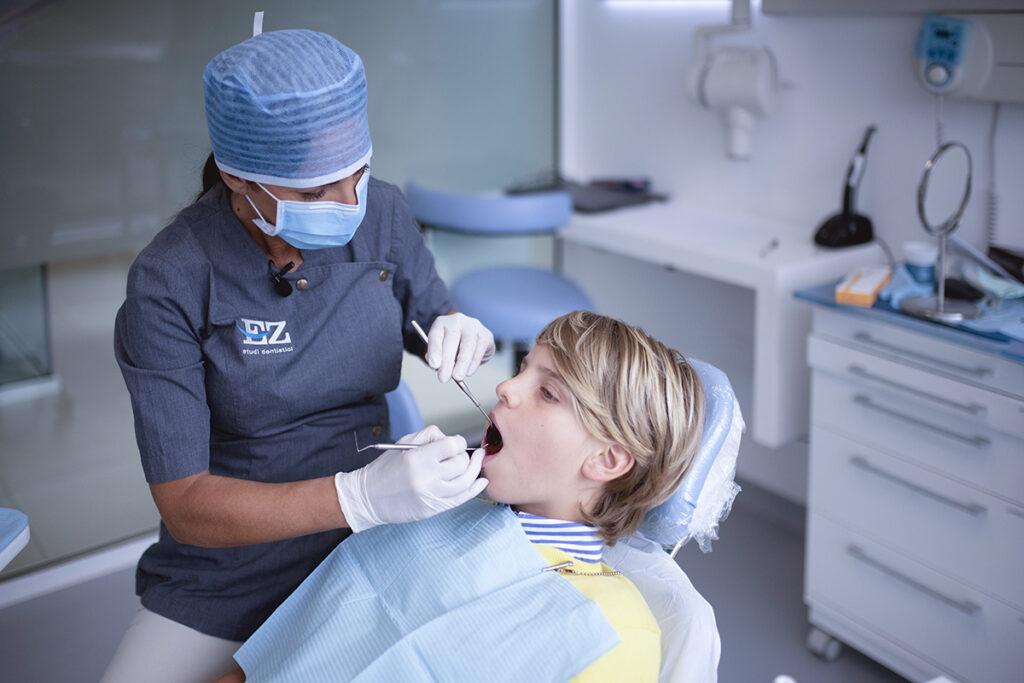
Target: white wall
x,y
625,110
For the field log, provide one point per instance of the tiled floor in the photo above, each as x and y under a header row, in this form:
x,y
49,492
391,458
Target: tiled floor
x,y
753,577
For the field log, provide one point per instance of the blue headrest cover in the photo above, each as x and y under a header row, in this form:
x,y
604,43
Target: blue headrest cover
x,y
669,523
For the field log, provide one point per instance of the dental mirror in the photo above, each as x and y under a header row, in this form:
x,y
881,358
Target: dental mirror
x,y
942,196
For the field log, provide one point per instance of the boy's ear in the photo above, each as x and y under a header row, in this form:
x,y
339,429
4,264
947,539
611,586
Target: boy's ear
x,y
609,463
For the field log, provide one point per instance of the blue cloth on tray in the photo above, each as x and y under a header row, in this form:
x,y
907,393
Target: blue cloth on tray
x,y
1006,317
902,285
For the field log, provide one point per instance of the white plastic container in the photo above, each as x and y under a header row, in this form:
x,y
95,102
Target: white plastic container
x,y
921,258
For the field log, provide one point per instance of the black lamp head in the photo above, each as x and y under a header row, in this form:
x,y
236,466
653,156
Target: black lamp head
x,y
844,230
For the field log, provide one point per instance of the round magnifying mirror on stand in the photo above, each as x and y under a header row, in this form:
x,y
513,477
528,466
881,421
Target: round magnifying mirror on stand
x,y
942,196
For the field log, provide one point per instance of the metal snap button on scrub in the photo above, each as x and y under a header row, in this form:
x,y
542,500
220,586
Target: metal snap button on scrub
x,y
302,284
383,276
377,430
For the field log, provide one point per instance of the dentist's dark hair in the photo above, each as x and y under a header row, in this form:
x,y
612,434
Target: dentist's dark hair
x,y
211,176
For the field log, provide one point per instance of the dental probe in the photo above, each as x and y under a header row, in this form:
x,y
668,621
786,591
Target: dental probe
x,y
461,383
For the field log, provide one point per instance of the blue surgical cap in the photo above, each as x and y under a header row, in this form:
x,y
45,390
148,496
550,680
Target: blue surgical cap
x,y
288,108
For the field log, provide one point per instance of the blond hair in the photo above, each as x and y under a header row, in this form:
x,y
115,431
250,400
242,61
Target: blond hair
x,y
629,389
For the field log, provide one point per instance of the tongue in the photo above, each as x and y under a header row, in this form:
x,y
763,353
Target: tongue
x,y
492,440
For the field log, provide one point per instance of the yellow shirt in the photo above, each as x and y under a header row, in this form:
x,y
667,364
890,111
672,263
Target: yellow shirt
x,y
638,656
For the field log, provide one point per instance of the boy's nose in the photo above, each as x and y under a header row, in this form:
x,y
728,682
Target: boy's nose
x,y
506,392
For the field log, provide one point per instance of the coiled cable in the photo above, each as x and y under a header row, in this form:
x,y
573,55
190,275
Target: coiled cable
x,y
991,197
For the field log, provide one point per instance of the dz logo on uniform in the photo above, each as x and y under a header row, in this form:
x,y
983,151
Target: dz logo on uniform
x,y
264,332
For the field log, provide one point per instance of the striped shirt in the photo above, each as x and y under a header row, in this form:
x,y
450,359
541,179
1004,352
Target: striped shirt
x,y
579,540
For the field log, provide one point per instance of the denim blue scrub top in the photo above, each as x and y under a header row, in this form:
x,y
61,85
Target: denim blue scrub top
x,y
226,375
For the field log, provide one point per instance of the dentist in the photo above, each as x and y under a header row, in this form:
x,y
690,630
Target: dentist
x,y
260,332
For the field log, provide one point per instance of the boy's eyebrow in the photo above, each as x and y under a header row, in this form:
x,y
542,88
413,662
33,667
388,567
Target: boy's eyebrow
x,y
553,374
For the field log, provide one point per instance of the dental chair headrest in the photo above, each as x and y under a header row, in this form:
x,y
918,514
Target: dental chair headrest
x,y
705,496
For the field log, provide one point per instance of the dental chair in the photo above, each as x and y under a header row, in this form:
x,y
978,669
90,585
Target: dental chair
x,y
513,302
403,411
690,645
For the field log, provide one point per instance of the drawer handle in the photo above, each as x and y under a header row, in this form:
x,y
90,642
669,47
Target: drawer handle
x,y
965,606
973,509
977,440
978,371
969,408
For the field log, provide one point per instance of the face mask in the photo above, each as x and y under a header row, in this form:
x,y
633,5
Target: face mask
x,y
315,225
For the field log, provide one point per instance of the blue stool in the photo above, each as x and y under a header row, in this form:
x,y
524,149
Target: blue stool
x,y
514,302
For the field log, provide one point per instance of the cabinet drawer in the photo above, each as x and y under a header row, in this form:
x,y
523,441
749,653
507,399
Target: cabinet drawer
x,y
945,524
960,630
933,391
937,440
924,351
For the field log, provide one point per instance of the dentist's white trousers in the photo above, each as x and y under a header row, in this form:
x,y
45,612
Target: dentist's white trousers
x,y
157,650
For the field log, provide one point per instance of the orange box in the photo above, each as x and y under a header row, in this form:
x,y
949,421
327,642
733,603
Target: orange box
x,y
861,287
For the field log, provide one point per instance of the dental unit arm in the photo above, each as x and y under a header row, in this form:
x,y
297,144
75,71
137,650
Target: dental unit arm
x,y
741,82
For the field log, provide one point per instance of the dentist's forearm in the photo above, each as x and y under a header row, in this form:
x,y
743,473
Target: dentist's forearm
x,y
213,511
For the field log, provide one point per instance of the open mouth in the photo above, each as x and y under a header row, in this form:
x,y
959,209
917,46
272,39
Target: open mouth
x,y
492,439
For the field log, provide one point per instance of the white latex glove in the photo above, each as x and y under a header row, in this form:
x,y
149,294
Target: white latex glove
x,y
403,486
457,345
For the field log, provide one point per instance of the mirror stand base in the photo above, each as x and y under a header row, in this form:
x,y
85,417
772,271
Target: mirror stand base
x,y
952,310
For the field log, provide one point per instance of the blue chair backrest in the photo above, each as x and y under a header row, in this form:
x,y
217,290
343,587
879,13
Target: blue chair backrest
x,y
404,411
669,523
486,214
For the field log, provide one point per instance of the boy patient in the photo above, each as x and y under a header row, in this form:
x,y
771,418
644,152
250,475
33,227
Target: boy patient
x,y
600,425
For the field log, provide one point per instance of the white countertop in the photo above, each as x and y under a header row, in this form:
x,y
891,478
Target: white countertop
x,y
727,247
735,249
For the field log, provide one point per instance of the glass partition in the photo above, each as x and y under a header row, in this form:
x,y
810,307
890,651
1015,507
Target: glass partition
x,y
104,138
24,337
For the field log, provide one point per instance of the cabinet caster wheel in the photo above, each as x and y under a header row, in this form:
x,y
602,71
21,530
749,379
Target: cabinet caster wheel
x,y
823,645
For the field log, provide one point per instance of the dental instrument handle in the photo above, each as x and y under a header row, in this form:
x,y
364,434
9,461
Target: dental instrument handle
x,y
465,389
461,384
401,447
393,446
419,331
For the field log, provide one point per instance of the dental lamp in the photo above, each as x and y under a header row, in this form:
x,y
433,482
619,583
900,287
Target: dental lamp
x,y
740,82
